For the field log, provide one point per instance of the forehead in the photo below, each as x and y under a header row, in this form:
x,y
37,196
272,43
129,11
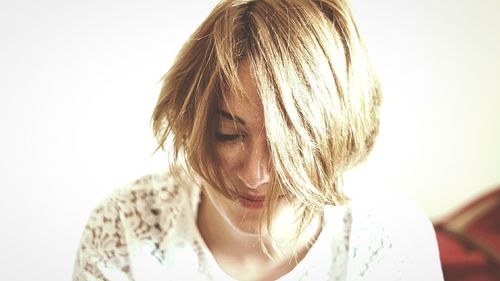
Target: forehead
x,y
246,106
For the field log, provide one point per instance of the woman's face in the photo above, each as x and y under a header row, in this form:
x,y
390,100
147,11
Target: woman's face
x,y
242,149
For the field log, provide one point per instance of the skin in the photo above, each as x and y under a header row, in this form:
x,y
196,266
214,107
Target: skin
x,y
229,227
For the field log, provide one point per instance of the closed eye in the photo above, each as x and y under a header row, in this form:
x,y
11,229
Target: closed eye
x,y
227,137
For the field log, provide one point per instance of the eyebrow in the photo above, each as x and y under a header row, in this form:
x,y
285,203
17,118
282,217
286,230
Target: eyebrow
x,y
230,116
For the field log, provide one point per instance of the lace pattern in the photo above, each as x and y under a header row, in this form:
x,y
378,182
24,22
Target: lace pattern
x,y
147,231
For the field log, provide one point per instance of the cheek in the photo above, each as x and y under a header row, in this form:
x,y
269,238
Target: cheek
x,y
229,155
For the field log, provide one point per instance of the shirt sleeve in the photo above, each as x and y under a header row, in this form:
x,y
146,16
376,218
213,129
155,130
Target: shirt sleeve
x,y
102,253
415,250
393,241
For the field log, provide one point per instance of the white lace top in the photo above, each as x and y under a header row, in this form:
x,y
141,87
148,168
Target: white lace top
x,y
147,231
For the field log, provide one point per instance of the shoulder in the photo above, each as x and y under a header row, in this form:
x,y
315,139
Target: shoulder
x,y
388,210
389,231
134,216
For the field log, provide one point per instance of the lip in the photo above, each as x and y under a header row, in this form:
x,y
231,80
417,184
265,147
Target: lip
x,y
250,201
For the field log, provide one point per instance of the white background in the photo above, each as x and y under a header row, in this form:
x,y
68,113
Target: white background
x,y
79,80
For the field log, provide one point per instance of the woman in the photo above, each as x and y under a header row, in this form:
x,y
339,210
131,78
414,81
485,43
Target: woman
x,y
265,107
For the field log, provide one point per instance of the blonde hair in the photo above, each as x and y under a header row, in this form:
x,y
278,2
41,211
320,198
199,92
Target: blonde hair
x,y
319,94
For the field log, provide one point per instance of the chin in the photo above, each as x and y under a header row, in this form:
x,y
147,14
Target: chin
x,y
244,217
247,221
247,229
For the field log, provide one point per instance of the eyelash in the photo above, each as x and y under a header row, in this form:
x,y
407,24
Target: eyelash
x,y
227,137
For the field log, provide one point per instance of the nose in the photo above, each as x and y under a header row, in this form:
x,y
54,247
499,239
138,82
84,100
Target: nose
x,y
254,170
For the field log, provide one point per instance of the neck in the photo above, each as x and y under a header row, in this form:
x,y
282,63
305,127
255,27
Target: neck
x,y
232,246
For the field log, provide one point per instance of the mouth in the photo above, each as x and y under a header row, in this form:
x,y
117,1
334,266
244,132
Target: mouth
x,y
251,202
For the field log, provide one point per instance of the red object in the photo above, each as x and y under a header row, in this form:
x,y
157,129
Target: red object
x,y
469,240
